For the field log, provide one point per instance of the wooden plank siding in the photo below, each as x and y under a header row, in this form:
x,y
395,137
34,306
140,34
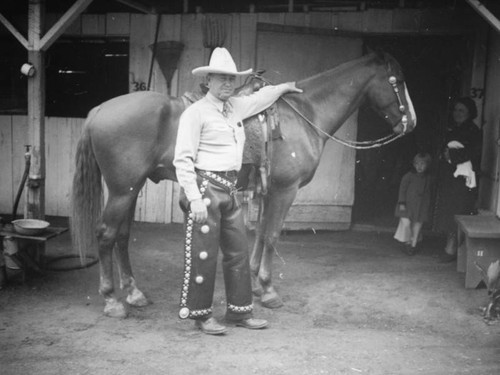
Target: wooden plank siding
x,y
6,165
61,135
158,202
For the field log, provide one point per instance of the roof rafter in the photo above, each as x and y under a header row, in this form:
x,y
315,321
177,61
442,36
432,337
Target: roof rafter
x,y
485,13
64,22
139,6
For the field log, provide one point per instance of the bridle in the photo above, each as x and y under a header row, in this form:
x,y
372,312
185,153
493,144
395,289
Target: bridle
x,y
404,118
358,145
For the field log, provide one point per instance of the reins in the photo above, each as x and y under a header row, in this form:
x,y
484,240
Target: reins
x,y
358,145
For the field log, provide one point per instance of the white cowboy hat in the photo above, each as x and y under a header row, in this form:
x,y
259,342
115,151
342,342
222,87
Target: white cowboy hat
x,y
221,62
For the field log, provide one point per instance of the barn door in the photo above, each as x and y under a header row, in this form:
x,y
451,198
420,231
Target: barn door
x,y
291,54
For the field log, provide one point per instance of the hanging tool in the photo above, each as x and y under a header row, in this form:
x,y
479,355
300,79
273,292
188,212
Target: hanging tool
x,y
27,165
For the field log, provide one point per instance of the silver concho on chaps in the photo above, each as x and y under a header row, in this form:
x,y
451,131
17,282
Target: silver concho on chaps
x,y
224,228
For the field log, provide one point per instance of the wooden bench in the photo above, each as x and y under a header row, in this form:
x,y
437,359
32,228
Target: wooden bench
x,y
478,241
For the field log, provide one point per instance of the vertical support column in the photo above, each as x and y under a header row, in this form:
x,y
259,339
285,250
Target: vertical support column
x,y
35,200
477,84
476,92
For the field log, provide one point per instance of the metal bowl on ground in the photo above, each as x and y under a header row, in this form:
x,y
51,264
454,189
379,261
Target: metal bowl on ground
x,y
30,227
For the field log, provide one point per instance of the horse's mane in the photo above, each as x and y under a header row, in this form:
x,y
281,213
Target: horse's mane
x,y
379,57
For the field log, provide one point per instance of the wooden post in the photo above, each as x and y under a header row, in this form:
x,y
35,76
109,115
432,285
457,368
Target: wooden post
x,y
35,199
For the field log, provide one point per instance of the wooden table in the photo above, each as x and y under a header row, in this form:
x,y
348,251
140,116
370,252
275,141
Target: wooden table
x,y
32,252
47,234
478,242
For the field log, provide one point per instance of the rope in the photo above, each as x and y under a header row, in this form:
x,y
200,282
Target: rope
x,y
157,32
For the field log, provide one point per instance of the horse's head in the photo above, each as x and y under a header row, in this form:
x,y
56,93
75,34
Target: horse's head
x,y
389,95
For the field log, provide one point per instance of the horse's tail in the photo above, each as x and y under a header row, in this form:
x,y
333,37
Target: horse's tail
x,y
86,195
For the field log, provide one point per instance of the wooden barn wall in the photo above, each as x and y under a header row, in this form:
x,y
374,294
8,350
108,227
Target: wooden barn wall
x,y
158,203
61,137
490,189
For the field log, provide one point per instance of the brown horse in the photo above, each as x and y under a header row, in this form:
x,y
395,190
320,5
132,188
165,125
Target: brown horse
x,y
131,138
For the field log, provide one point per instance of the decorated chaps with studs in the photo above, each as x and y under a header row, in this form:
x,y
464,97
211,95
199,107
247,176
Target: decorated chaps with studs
x,y
224,228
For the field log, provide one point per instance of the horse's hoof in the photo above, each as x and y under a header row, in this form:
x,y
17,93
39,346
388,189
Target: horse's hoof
x,y
257,292
137,299
115,310
271,302
257,289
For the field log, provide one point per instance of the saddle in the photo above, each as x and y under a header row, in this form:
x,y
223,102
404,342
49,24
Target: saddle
x,y
260,131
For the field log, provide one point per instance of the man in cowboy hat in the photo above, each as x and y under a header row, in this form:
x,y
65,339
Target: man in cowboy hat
x,y
208,155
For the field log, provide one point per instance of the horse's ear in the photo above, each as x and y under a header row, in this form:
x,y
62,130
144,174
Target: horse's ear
x,y
203,88
259,72
376,50
380,53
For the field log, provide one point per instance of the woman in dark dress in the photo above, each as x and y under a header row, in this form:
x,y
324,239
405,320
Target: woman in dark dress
x,y
456,189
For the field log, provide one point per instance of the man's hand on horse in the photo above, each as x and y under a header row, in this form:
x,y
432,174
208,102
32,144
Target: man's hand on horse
x,y
292,87
199,211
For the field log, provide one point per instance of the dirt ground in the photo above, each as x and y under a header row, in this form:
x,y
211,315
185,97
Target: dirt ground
x,y
354,304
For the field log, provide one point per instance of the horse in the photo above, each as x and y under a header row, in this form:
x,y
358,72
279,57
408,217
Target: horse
x,y
131,138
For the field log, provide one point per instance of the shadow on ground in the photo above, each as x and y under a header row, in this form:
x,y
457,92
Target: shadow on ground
x,y
354,304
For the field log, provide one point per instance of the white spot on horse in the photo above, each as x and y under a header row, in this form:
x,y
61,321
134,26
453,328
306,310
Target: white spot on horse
x,y
410,106
131,189
294,155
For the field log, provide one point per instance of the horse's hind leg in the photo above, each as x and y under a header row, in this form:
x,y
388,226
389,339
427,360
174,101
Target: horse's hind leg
x,y
114,214
127,280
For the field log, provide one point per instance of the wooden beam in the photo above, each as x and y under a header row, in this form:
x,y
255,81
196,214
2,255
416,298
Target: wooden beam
x,y
35,195
139,6
13,31
485,13
64,22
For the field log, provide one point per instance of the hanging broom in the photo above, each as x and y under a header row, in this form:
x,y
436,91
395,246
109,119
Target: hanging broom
x,y
214,31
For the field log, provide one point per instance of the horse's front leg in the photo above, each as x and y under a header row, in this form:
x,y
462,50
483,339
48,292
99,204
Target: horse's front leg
x,y
256,254
276,208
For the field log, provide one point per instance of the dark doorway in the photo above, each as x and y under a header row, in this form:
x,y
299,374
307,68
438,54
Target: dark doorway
x,y
434,67
82,73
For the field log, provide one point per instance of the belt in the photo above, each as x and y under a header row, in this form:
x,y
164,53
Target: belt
x,y
224,174
226,180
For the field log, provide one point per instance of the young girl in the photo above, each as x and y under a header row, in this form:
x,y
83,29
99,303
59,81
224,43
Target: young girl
x,y
413,207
